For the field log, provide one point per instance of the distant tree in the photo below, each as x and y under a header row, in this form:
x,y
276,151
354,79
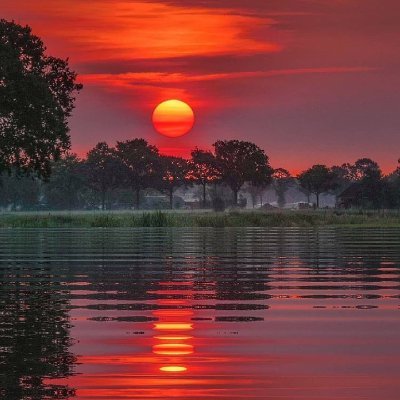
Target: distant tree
x,y
174,174
369,178
103,170
141,165
281,181
64,188
19,192
366,181
36,99
392,188
366,168
242,162
343,176
204,170
317,180
260,182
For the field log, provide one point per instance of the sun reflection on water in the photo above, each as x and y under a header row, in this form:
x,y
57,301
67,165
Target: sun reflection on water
x,y
172,341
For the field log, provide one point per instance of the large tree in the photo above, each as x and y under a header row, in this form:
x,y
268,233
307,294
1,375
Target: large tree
x,y
174,174
204,170
317,180
141,165
103,170
242,162
36,98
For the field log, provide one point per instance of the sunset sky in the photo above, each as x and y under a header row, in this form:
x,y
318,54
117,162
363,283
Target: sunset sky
x,y
310,81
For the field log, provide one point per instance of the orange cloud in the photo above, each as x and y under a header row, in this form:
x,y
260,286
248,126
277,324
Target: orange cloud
x,y
136,30
130,79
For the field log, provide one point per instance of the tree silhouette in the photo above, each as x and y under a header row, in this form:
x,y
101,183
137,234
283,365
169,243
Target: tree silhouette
x,y
204,169
366,168
362,184
369,180
141,165
103,170
36,99
343,176
242,162
66,184
19,191
174,174
317,180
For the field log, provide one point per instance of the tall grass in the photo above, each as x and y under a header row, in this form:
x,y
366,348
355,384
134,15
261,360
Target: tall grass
x,y
198,219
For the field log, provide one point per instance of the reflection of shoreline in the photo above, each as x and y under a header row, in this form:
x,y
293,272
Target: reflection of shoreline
x,y
173,341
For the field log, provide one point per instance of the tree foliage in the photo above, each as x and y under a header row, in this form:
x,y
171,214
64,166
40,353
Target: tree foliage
x,y
369,181
317,180
18,192
101,180
174,174
103,170
36,98
362,183
242,162
204,169
140,164
64,190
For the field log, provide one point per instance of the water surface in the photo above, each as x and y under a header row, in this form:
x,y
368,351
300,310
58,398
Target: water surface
x,y
200,314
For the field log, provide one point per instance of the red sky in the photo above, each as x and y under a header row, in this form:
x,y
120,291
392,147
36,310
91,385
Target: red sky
x,y
310,81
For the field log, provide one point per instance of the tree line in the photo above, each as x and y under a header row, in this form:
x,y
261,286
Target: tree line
x,y
37,97
133,167
127,174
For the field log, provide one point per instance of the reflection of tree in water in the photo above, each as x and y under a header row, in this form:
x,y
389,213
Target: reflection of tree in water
x,y
240,272
377,250
34,335
342,263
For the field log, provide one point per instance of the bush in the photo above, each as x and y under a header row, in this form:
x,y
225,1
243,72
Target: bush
x,y
218,204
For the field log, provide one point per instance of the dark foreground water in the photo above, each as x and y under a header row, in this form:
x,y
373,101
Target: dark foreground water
x,y
196,314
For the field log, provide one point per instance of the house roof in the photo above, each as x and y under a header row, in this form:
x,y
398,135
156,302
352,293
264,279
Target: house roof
x,y
350,192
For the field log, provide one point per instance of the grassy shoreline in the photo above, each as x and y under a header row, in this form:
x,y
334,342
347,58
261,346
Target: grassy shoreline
x,y
197,219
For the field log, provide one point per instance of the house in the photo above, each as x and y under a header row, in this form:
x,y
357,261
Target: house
x,y
350,197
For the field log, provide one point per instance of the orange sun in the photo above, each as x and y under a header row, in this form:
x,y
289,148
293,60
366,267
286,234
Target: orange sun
x,y
173,118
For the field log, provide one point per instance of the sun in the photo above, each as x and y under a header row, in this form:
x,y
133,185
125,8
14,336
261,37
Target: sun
x,y
173,118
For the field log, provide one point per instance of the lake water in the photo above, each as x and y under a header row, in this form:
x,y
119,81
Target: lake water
x,y
196,314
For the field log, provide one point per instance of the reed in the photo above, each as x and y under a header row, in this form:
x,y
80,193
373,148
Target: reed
x,y
197,219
